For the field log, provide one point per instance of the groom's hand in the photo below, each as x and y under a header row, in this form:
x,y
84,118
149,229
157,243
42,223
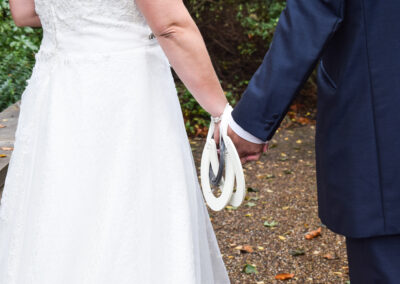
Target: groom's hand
x,y
247,151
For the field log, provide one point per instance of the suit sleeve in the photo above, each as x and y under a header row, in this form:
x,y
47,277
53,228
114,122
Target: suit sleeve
x,y
303,29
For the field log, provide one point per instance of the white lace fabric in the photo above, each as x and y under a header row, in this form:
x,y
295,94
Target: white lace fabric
x,y
101,186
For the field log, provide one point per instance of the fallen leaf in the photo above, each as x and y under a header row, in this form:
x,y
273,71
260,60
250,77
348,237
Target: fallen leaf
x,y
297,252
7,148
230,207
245,248
254,198
329,256
270,224
260,248
248,215
250,204
3,155
250,269
284,276
282,238
313,234
250,189
2,126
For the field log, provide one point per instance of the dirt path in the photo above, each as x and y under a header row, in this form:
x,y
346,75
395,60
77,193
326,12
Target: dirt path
x,y
284,193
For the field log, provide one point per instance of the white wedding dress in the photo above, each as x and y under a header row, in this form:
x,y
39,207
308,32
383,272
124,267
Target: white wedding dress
x,y
101,186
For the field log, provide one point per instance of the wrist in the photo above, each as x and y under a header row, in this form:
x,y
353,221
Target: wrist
x,y
218,108
217,118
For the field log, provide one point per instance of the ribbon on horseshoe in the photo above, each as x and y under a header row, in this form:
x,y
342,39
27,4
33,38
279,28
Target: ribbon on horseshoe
x,y
212,169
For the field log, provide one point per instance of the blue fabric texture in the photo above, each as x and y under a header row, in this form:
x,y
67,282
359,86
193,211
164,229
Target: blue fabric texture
x,y
374,260
356,44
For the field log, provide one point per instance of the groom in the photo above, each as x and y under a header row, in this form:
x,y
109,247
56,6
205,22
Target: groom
x,y
357,46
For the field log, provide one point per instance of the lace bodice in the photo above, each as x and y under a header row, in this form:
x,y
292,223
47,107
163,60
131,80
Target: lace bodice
x,y
91,25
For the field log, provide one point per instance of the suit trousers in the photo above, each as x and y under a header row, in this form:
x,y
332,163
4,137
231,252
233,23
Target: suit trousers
x,y
374,260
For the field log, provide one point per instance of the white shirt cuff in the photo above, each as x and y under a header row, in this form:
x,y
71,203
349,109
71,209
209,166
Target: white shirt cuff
x,y
243,133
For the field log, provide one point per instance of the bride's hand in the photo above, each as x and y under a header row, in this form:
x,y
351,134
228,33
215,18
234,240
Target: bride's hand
x,y
216,133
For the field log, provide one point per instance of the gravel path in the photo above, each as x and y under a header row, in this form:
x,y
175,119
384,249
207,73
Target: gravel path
x,y
267,232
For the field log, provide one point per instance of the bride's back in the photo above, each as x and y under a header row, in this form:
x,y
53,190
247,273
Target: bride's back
x,y
80,26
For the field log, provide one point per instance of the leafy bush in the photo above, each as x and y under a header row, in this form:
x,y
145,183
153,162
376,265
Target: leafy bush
x,y
237,33
196,118
17,48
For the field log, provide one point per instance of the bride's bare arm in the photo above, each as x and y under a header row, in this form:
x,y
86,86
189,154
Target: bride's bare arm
x,y
24,14
184,46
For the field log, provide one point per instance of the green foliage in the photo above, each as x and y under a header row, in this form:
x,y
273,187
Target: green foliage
x,y
196,118
17,48
259,19
237,32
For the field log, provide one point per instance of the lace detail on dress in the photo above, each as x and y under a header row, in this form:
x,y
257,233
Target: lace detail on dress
x,y
88,24
70,15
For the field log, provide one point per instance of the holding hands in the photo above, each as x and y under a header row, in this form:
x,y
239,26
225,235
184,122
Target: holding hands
x,y
248,151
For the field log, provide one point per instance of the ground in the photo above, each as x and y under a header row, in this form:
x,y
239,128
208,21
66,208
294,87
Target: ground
x,y
281,208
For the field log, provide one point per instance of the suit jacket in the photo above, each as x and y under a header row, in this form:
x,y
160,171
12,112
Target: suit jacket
x,y
357,46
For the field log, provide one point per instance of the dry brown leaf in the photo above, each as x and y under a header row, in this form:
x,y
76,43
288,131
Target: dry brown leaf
x,y
284,276
313,234
2,126
245,248
329,256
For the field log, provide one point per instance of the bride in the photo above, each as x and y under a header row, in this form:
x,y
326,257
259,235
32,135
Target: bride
x,y
101,186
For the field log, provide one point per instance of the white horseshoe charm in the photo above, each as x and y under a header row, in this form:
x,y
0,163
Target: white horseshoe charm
x,y
233,170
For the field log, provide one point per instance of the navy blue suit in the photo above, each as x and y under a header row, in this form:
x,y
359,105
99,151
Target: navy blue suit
x,y
357,43
357,46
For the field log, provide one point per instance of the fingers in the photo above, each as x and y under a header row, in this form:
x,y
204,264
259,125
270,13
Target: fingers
x,y
216,134
250,158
